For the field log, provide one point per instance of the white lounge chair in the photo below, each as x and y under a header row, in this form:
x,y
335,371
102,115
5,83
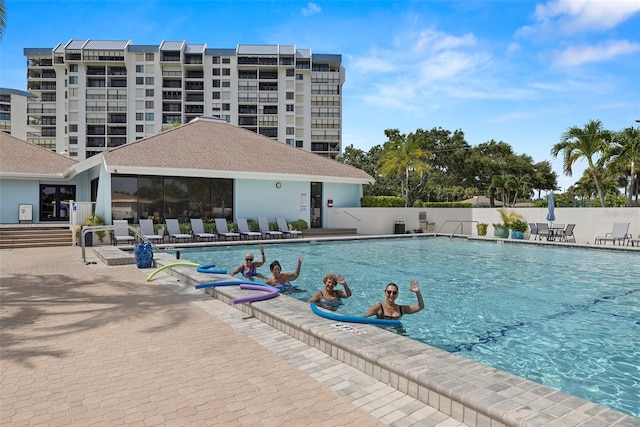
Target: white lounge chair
x,y
567,233
147,231
263,225
283,226
245,231
618,234
634,241
222,230
173,229
197,229
121,232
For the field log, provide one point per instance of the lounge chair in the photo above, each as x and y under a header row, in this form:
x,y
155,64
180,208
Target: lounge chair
x,y
534,230
543,230
197,229
263,224
634,241
244,230
283,227
121,232
618,234
222,230
146,230
567,233
173,229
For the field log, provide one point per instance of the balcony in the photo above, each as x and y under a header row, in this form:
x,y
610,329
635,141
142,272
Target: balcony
x,y
194,86
194,109
194,97
174,95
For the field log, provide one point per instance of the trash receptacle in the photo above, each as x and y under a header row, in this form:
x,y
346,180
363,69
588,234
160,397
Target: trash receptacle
x,y
144,254
399,227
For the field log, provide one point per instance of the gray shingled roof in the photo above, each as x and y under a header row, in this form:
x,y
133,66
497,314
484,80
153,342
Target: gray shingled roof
x,y
24,158
172,46
217,148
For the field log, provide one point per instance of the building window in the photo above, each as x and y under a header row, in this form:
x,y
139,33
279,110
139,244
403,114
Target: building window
x,y
215,59
73,128
73,68
216,83
139,128
291,141
139,116
226,71
226,107
149,117
139,68
290,131
148,105
148,57
290,72
290,95
216,71
139,80
149,92
73,80
226,84
299,77
226,60
149,81
216,95
73,140
290,107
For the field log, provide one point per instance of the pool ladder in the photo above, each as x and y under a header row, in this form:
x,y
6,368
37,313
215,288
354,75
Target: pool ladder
x,y
460,225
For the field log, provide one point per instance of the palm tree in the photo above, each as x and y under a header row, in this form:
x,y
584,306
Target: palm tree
x,y
588,143
402,156
624,154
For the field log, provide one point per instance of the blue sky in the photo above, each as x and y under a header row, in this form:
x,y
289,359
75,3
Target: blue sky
x,y
521,72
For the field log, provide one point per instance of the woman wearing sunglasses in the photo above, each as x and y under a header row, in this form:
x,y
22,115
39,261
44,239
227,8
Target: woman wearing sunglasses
x,y
250,267
388,309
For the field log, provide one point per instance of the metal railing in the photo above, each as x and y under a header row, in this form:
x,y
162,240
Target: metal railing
x,y
92,229
460,225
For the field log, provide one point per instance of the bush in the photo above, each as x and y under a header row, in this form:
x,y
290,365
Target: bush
x,y
381,202
518,225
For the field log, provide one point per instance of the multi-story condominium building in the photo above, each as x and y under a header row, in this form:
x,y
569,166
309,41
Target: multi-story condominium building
x,y
92,95
13,112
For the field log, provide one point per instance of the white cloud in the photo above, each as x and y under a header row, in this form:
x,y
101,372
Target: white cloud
x,y
311,9
513,47
436,41
510,117
578,55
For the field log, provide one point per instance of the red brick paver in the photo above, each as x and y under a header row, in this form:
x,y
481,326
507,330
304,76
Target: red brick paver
x,y
95,345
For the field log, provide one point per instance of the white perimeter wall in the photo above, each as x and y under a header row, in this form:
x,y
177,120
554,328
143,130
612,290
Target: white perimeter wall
x,y
590,222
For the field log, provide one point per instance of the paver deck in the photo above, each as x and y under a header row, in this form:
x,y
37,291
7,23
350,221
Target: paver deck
x,y
89,344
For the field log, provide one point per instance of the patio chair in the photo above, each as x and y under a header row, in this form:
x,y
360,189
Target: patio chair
x,y
534,229
146,230
567,233
244,230
543,230
283,227
618,234
121,232
222,230
173,229
634,241
263,225
197,229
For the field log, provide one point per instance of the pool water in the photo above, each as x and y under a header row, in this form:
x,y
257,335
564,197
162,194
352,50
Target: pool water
x,y
568,318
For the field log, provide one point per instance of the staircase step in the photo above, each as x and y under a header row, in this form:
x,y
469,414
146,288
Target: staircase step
x,y
35,236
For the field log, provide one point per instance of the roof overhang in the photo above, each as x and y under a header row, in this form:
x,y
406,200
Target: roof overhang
x,y
229,174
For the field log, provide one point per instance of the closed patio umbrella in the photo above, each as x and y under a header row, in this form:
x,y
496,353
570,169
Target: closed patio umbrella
x,y
551,216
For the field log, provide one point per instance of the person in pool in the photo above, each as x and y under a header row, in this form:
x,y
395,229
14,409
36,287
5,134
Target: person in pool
x,y
250,267
329,297
280,278
388,309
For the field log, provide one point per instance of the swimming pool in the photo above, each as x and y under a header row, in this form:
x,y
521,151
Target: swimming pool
x,y
565,318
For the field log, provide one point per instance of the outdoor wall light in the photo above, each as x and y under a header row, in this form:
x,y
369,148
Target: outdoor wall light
x,y
278,184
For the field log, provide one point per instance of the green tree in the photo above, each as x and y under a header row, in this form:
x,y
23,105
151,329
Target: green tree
x,y
3,18
623,157
544,178
403,157
589,143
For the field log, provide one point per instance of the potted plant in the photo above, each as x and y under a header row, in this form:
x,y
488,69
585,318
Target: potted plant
x,y
482,228
502,229
518,227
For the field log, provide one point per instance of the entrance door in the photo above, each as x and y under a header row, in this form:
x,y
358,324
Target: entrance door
x,y
54,202
316,205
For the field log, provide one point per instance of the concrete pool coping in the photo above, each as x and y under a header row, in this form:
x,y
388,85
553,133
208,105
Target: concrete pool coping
x,y
467,391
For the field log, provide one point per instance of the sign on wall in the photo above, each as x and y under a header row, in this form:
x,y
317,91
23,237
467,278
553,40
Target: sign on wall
x,y
25,212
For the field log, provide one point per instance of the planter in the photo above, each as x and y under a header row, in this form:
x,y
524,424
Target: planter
x,y
517,235
88,239
499,231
